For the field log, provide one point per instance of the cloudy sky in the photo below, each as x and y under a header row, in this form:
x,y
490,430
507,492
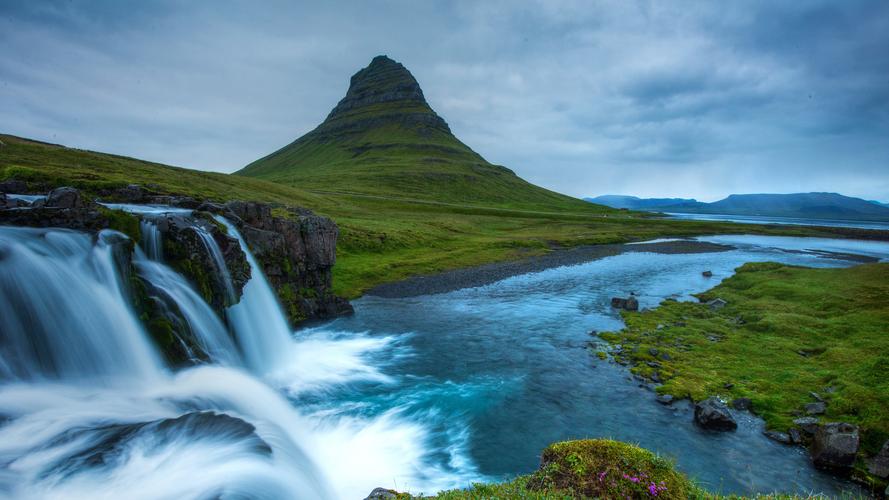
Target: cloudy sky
x,y
692,99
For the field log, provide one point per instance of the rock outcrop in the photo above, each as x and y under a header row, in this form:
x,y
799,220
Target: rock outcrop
x,y
186,248
835,445
297,254
713,414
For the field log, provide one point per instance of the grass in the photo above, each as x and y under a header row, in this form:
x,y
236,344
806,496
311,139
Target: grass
x,y
594,468
382,237
786,332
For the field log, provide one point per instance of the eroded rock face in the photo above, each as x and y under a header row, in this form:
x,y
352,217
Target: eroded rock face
x,y
713,414
185,249
297,255
835,445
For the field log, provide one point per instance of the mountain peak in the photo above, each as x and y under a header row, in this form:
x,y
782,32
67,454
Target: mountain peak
x,y
384,83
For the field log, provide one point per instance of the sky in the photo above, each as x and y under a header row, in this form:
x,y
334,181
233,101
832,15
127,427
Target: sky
x,y
647,98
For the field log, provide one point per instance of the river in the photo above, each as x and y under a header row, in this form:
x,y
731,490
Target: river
x,y
418,393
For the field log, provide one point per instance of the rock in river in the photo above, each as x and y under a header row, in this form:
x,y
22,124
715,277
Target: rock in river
x,y
780,437
835,445
714,415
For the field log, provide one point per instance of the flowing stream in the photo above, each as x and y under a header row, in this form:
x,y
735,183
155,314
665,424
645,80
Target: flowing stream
x,y
419,393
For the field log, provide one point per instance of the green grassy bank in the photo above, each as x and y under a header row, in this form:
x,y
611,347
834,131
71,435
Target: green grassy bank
x,y
786,333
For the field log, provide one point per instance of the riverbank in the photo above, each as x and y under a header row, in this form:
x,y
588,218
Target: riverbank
x,y
800,346
470,277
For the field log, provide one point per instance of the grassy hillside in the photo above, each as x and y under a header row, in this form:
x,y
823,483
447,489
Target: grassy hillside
x,y
382,238
786,332
384,139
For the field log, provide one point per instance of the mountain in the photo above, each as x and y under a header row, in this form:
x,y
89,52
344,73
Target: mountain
x,y
801,205
636,203
384,139
880,203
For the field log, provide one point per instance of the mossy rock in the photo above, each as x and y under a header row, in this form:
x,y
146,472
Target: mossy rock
x,y
602,468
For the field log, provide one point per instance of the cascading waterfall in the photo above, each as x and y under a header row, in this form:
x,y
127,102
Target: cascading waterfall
x,y
89,410
152,244
257,320
211,335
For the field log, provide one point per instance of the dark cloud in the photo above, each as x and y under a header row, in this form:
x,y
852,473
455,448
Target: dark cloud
x,y
682,99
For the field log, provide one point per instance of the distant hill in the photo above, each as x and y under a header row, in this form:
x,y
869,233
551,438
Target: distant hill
x,y
384,139
801,205
880,203
636,203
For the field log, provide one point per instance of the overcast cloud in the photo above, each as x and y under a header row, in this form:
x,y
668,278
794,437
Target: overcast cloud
x,y
692,99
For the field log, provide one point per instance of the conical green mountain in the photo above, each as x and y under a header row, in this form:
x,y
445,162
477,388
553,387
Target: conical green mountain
x,y
383,139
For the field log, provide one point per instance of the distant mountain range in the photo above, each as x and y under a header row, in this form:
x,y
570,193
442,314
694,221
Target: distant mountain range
x,y
801,205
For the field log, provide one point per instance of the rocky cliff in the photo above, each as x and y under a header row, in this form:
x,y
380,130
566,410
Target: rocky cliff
x,y
295,248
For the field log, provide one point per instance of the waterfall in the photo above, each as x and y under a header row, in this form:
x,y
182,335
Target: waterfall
x,y
257,320
64,310
88,409
152,244
211,335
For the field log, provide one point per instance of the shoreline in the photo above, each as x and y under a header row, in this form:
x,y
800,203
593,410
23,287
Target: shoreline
x,y
471,277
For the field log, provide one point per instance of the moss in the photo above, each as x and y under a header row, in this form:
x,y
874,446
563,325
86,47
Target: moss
x,y
159,327
290,299
124,222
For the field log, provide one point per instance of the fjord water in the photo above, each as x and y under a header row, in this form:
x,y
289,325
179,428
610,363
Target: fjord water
x,y
416,393
797,221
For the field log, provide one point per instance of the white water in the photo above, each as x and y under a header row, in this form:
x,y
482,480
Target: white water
x,y
87,405
63,309
258,321
208,330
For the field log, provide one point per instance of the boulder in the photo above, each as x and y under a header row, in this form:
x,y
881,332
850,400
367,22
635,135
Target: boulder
x,y
817,408
714,415
628,304
780,437
743,404
717,304
809,425
795,436
665,399
381,494
632,304
64,197
707,274
878,465
835,445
